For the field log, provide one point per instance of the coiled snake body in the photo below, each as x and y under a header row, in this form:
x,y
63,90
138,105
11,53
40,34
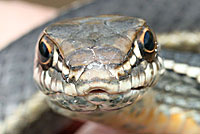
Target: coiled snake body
x,y
103,69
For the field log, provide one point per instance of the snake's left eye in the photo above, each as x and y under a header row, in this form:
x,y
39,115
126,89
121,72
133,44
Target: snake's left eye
x,y
149,43
45,52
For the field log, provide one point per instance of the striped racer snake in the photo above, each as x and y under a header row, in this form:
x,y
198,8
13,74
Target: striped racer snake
x,y
103,69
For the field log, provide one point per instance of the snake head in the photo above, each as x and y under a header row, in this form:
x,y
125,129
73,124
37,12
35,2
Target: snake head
x,y
97,63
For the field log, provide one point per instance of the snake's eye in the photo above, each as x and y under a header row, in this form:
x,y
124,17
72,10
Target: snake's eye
x,y
149,43
45,52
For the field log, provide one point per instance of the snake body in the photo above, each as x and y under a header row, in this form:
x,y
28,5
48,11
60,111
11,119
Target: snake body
x,y
103,69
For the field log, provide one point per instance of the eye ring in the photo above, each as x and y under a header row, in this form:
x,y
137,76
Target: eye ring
x,y
45,52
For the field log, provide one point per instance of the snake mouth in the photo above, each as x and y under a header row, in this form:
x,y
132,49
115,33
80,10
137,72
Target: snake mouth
x,y
101,97
102,90
97,91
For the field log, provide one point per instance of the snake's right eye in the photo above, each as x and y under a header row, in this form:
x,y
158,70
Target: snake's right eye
x,y
45,52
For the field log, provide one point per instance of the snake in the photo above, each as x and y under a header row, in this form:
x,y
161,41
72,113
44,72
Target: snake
x,y
104,69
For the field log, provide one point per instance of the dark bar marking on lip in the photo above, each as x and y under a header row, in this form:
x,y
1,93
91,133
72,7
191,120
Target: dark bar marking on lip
x,y
138,88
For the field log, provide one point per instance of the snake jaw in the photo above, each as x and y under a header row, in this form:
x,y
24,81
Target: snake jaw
x,y
99,94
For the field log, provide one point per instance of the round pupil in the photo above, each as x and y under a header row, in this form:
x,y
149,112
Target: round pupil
x,y
44,52
148,41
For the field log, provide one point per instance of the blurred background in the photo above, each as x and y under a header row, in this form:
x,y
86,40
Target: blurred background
x,y
20,16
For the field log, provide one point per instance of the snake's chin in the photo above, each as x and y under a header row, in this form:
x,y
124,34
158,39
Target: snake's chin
x,y
96,100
